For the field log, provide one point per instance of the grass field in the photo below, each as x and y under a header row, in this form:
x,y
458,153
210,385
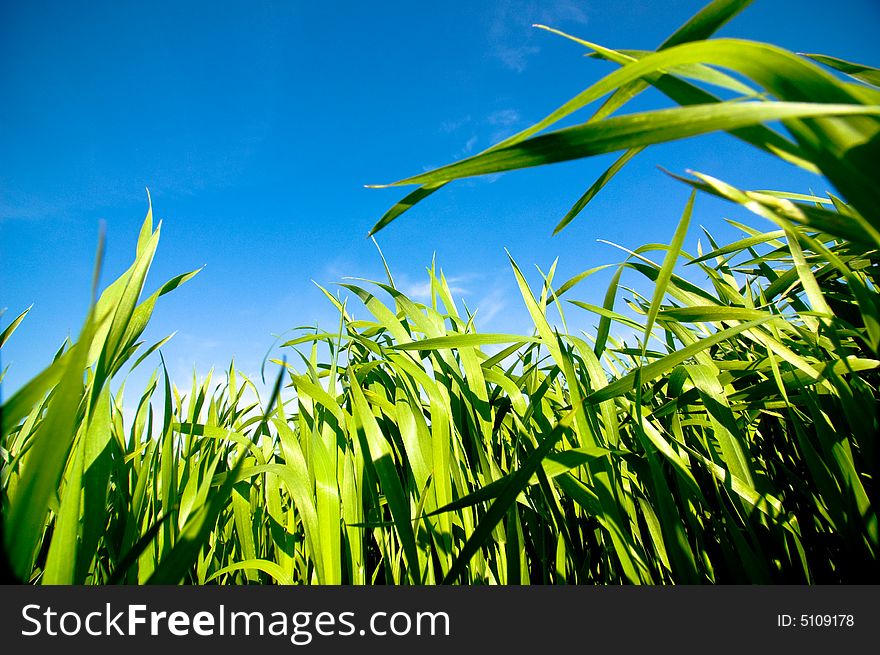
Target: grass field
x,y
730,437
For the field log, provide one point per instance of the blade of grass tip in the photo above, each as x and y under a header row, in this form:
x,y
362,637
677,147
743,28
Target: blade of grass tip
x,y
387,318
706,22
537,312
666,269
738,246
144,310
384,262
403,205
860,72
334,300
7,332
338,340
805,273
99,259
126,306
547,288
550,292
273,400
605,321
146,228
701,25
596,187
149,351
577,279
278,338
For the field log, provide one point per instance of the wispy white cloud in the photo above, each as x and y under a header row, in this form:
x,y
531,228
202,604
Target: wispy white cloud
x,y
335,269
454,124
562,11
513,57
487,294
491,305
489,130
504,123
197,343
511,38
421,289
504,117
26,207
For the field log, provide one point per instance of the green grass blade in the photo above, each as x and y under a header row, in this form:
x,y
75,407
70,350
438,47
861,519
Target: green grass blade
x,y
632,131
9,329
867,74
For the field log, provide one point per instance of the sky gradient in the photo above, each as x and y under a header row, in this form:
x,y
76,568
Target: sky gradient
x,y
256,125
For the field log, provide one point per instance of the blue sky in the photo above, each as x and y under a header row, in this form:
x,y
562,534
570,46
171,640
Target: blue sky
x,y
256,125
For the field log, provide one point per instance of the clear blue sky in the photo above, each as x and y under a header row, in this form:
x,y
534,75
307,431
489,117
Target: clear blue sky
x,y
255,126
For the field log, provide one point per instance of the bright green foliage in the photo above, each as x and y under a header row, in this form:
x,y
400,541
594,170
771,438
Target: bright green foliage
x,y
732,437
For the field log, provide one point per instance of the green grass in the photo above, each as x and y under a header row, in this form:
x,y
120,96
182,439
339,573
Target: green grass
x,y
731,437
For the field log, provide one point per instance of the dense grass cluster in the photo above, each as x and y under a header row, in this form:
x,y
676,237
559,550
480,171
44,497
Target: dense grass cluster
x,y
731,436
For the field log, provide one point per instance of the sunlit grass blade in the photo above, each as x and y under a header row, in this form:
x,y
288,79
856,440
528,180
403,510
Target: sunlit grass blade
x,y
635,130
863,73
9,329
